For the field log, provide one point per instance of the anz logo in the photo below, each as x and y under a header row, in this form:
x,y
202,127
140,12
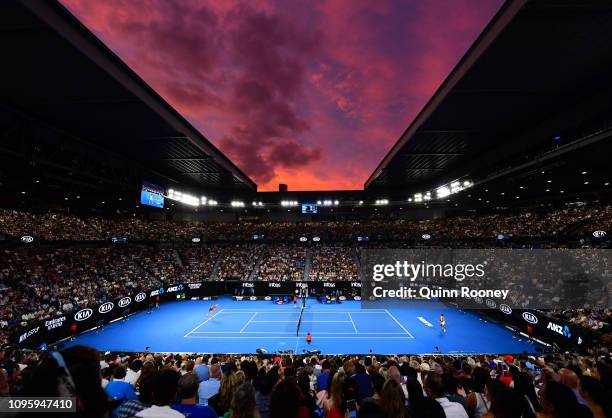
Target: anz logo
x,y
83,314
124,302
106,307
140,297
157,292
562,330
529,317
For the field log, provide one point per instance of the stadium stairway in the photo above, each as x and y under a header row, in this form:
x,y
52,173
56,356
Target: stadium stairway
x,y
307,263
574,227
178,259
214,275
257,265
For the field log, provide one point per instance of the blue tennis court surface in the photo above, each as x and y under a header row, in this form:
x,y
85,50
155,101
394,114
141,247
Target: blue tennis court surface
x,y
245,326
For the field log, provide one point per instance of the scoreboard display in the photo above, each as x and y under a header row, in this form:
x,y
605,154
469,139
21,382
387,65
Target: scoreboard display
x,y
152,195
309,208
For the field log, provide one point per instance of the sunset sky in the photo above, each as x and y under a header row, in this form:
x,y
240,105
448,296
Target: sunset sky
x,y
309,93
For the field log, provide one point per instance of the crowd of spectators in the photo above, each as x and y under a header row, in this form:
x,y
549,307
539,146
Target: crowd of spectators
x,y
162,263
551,223
47,226
238,261
333,263
204,386
282,262
594,319
36,283
547,224
198,262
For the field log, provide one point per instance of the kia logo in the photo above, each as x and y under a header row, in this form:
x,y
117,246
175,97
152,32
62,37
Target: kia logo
x,y
491,304
124,302
195,240
529,317
426,236
83,314
478,299
27,239
599,234
140,297
505,309
106,307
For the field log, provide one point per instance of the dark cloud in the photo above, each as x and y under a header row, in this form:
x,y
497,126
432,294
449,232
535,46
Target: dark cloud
x,y
291,154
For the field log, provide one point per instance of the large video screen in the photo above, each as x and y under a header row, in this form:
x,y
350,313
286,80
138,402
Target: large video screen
x,y
152,195
309,208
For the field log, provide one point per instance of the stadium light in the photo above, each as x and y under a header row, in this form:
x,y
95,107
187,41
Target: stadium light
x,y
237,204
185,198
289,203
442,192
382,202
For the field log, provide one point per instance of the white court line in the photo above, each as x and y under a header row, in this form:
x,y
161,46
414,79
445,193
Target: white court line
x,y
248,322
424,321
353,322
295,322
374,311
281,332
271,336
208,319
398,323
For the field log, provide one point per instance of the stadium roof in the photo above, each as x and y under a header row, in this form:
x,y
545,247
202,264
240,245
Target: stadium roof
x,y
57,75
538,69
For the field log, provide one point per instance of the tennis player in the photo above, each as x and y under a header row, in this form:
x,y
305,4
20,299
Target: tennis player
x,y
442,323
212,309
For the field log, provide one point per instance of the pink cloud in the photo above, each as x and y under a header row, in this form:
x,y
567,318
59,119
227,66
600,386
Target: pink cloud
x,y
312,95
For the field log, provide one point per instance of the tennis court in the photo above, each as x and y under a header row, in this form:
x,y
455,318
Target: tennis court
x,y
282,324
245,326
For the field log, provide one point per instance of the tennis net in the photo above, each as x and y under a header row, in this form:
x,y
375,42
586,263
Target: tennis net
x,y
299,323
